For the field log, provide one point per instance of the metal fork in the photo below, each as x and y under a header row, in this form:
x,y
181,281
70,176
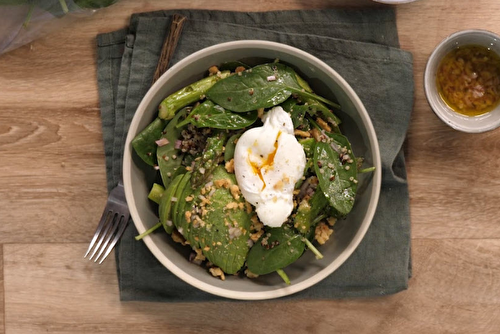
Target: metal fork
x,y
113,222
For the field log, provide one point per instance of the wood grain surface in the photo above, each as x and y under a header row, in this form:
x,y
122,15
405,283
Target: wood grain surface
x,y
53,188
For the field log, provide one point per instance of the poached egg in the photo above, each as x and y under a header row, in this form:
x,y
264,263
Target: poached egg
x,y
268,161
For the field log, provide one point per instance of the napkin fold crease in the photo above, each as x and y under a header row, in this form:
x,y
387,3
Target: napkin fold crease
x,y
362,45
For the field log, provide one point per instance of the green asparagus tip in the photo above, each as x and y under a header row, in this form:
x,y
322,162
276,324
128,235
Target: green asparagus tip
x,y
164,112
283,275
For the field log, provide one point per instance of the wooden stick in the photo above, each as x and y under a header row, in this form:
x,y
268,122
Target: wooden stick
x,y
169,45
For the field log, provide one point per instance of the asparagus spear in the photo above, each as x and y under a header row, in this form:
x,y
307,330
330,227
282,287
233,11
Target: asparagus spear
x,y
188,95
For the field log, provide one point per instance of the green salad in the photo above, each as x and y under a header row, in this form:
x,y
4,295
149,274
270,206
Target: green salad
x,y
253,169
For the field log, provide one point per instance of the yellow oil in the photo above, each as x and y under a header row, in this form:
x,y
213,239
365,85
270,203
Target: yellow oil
x,y
468,80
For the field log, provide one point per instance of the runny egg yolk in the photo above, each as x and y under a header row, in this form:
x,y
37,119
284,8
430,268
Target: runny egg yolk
x,y
266,162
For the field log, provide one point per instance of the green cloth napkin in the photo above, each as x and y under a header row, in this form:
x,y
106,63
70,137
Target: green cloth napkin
x,y
362,45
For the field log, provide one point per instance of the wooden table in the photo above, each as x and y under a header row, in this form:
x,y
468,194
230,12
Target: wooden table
x,y
52,191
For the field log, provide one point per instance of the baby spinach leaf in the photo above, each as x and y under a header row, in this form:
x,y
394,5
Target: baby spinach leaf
x,y
297,113
262,86
144,143
219,229
308,210
214,116
205,165
277,248
335,168
170,158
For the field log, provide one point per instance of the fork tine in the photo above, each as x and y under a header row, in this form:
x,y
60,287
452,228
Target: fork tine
x,y
109,225
117,237
115,223
103,220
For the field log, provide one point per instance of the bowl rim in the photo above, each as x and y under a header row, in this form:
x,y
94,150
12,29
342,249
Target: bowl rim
x,y
431,61
282,291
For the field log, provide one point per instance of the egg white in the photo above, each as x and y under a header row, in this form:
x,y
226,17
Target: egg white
x,y
268,161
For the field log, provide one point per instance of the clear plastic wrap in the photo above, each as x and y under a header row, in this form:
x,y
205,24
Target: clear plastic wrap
x,y
23,21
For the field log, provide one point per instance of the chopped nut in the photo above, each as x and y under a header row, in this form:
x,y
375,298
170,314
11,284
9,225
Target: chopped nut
x,y
177,237
239,69
235,191
324,125
230,166
316,134
213,70
322,233
331,220
222,183
255,236
248,206
217,272
199,255
301,133
230,206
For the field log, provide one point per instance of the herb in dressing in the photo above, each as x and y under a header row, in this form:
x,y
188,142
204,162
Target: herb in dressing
x,y
468,80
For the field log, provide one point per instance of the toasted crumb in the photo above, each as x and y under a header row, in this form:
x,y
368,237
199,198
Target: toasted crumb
x,y
230,206
248,206
239,69
217,272
222,183
177,237
255,236
331,220
213,69
199,255
324,125
188,214
230,166
235,191
189,198
322,233
301,133
206,248
316,134
256,224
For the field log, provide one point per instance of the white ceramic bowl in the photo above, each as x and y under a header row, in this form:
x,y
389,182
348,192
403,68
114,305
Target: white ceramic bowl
x,y
307,270
472,124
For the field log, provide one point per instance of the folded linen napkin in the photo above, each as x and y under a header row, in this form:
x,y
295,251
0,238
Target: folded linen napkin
x,y
362,45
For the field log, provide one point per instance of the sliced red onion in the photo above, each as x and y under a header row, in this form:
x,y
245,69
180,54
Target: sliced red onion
x,y
162,142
